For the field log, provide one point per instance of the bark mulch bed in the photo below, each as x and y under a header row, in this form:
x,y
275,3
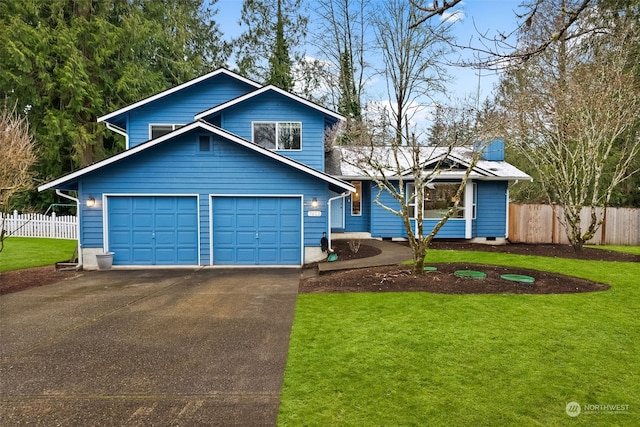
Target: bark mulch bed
x,y
14,281
443,280
394,278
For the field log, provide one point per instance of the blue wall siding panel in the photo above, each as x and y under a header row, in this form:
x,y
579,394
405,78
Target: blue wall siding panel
x,y
491,210
181,107
275,107
177,167
361,223
384,224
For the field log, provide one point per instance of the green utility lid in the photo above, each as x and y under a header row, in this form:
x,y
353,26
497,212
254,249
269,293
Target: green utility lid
x,y
430,268
518,278
470,274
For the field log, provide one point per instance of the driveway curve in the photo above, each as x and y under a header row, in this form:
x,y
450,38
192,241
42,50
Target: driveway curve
x,y
147,347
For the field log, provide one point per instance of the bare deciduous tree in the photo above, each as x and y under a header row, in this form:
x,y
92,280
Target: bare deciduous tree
x,y
392,167
498,51
17,156
575,122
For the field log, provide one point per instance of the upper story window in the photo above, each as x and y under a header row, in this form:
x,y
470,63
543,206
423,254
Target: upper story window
x,y
438,198
156,131
278,135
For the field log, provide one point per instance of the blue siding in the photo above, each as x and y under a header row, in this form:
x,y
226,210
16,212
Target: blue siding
x,y
360,223
272,106
182,106
491,210
177,167
384,224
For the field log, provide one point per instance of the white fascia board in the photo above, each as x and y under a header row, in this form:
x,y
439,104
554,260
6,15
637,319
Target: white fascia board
x,y
118,157
262,90
213,129
176,89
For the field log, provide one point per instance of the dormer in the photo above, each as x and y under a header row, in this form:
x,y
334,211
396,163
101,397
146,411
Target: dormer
x,y
277,120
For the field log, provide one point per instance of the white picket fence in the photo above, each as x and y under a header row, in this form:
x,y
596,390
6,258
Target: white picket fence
x,y
38,225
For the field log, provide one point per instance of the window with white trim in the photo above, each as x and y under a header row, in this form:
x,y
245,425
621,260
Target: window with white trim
x,y
438,199
356,199
278,135
156,131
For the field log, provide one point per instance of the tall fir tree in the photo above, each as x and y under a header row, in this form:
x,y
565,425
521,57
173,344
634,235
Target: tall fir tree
x,y
279,61
273,29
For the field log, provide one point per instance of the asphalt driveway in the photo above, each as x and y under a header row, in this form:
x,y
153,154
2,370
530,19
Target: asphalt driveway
x,y
152,347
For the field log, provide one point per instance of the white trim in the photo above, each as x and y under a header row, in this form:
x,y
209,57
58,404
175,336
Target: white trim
x,y
257,195
506,216
213,129
351,210
119,131
329,203
78,221
176,89
468,209
262,90
105,220
277,123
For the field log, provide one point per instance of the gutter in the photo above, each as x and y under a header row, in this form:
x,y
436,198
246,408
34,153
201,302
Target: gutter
x,y
78,209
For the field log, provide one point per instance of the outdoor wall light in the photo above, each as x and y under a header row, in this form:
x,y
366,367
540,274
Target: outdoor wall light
x,y
314,203
91,202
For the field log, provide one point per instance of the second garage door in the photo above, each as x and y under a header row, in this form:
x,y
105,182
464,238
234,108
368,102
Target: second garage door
x,y
257,231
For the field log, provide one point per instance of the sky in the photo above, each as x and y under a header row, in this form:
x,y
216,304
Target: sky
x,y
473,17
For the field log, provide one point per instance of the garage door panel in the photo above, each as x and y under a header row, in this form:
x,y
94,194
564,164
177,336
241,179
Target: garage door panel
x,y
265,230
268,256
290,256
141,255
245,238
246,255
246,220
268,238
289,239
153,230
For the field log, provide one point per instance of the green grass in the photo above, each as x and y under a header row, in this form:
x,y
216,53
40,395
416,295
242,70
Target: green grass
x,y
22,252
628,249
429,359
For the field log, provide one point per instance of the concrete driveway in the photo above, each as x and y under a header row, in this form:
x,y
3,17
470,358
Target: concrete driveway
x,y
152,347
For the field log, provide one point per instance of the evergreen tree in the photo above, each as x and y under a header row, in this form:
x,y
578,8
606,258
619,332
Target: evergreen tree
x,y
279,61
274,29
67,63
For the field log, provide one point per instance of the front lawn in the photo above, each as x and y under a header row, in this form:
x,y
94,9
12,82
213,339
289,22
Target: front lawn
x,y
23,252
433,359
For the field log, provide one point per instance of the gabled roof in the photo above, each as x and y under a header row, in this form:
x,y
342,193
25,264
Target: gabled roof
x,y
176,89
352,166
201,124
259,92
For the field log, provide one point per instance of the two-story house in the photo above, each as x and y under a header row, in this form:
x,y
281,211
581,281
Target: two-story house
x,y
223,171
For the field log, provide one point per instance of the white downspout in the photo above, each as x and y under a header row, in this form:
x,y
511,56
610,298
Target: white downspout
x,y
78,209
341,196
119,131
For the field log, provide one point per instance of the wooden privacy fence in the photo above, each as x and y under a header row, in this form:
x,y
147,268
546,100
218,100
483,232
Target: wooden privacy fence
x,y
38,225
540,224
